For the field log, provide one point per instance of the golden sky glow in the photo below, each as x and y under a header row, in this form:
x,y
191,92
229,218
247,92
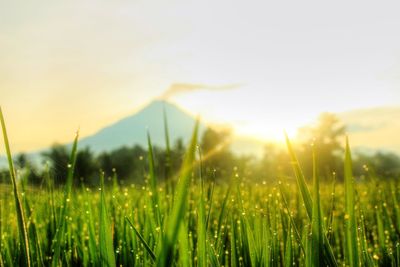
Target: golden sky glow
x,y
89,63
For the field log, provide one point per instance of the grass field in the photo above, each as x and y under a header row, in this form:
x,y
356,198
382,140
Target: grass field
x,y
190,221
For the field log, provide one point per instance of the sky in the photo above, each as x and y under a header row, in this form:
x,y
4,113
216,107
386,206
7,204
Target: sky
x,y
263,66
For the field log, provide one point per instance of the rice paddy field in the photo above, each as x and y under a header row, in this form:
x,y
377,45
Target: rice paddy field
x,y
191,221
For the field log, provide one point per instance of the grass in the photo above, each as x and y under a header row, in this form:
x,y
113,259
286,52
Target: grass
x,y
191,221
350,216
61,234
23,233
106,247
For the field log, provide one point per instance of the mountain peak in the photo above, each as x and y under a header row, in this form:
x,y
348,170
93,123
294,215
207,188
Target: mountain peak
x,y
159,104
131,130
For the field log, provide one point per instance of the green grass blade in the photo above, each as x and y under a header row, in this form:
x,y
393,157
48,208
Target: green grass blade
x,y
1,260
153,183
62,222
106,247
289,248
222,213
184,248
329,257
233,244
34,243
366,257
71,168
212,256
350,217
201,224
316,222
294,227
332,209
20,211
165,254
210,201
396,206
141,238
167,146
92,246
301,181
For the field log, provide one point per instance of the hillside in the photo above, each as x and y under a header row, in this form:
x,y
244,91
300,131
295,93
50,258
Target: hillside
x,y
132,129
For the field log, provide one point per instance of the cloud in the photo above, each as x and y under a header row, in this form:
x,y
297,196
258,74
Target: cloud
x,y
182,88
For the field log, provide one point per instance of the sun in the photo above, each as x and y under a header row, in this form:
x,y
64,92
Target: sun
x,y
267,132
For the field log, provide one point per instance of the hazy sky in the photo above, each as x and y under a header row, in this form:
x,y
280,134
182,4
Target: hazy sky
x,y
89,63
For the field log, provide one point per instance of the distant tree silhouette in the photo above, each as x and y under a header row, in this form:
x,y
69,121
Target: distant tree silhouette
x,y
4,176
58,158
177,153
130,164
378,165
27,170
274,164
216,153
327,138
105,163
86,168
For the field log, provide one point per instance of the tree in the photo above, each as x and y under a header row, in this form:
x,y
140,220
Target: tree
x,y
104,161
129,163
216,153
274,163
380,164
86,167
58,158
28,170
326,136
177,154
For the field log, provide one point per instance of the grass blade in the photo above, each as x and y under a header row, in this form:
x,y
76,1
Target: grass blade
x,y
366,257
20,211
294,227
62,222
184,248
329,257
316,222
332,209
350,217
201,224
141,238
289,248
167,146
153,183
34,244
301,181
165,254
107,256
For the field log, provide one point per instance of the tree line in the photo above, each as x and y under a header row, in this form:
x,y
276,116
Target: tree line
x,y
130,164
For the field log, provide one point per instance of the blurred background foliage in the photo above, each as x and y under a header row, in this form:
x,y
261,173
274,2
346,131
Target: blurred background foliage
x,y
130,165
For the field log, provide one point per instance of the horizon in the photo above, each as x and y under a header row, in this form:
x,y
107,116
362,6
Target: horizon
x,y
359,144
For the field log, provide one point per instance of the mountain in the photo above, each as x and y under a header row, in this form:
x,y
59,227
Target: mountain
x,y
132,130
